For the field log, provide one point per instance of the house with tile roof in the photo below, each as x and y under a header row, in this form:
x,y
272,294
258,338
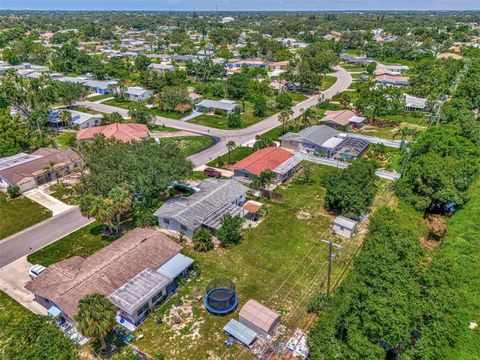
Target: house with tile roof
x,y
121,132
28,171
342,119
282,162
135,273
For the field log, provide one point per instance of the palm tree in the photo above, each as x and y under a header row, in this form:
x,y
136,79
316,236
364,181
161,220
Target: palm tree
x,y
284,117
265,178
307,115
66,117
231,145
404,133
53,171
96,317
99,208
121,202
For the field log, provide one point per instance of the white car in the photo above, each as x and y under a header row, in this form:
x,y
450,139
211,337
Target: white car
x,y
36,270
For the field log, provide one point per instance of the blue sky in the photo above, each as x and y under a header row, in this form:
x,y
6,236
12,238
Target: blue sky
x,y
234,5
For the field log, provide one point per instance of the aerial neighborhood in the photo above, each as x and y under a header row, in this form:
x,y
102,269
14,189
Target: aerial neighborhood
x,y
239,185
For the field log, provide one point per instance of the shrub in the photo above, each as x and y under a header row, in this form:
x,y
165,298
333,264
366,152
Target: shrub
x,y
13,191
231,230
202,240
220,112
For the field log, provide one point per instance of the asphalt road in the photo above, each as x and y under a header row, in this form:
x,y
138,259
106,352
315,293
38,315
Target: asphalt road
x,y
41,234
241,136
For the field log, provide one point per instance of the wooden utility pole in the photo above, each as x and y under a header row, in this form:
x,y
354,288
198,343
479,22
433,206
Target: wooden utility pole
x,y
331,244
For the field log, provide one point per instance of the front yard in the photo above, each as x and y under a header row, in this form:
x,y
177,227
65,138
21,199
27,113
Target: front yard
x,y
189,144
19,214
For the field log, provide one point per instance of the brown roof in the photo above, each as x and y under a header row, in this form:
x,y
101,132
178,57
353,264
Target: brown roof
x,y
67,282
252,206
260,316
449,56
341,117
27,169
121,132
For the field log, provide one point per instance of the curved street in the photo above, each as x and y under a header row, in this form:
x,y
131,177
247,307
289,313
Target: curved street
x,y
240,136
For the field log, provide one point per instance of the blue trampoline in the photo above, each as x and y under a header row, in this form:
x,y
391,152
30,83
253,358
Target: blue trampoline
x,y
221,297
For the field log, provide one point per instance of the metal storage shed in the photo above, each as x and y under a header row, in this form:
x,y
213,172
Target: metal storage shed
x,y
240,332
261,319
344,226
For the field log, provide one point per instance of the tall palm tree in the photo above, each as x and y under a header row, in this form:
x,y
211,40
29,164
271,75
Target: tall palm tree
x,y
121,203
307,115
66,117
53,170
231,145
284,117
99,208
96,317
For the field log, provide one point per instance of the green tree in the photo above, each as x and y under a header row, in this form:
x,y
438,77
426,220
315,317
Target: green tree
x,y
14,134
263,143
260,106
371,67
231,230
140,113
202,240
234,119
284,117
306,116
307,168
238,85
96,317
13,191
284,100
141,62
264,179
231,145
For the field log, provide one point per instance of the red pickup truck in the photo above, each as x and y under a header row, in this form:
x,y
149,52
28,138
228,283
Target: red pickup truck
x,y
212,173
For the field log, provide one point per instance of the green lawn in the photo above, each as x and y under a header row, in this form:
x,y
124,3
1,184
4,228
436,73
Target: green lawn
x,y
64,138
99,97
237,154
83,242
126,104
160,128
415,118
168,114
189,144
214,121
85,110
298,97
19,214
327,82
11,314
258,266
353,68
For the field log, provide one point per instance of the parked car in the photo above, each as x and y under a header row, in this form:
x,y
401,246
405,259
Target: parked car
x,y
36,270
212,173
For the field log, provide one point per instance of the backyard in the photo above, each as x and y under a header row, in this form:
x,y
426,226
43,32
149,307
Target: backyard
x,y
13,219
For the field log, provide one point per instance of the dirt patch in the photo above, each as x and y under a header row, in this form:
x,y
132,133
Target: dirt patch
x,y
437,229
183,322
302,215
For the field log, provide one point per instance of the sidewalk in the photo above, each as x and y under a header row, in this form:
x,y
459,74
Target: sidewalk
x,y
47,201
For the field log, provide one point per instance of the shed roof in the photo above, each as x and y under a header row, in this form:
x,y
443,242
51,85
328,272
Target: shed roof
x,y
175,266
240,332
345,222
138,290
259,315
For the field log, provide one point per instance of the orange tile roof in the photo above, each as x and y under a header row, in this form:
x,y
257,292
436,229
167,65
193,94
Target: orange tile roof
x,y
121,132
263,160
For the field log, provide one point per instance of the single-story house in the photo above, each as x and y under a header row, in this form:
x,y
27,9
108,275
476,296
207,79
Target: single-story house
x,y
69,79
185,58
212,105
77,118
121,132
344,226
383,71
413,103
313,139
393,68
161,67
259,318
194,97
138,93
393,80
205,208
342,119
282,162
360,60
128,272
99,86
30,171
250,63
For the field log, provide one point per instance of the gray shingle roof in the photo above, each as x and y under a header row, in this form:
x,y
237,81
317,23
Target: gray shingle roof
x,y
193,210
317,134
222,105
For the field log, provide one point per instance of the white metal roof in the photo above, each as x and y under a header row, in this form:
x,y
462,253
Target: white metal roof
x,y
345,222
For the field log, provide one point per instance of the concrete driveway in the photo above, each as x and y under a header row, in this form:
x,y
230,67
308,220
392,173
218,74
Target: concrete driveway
x,y
13,278
47,201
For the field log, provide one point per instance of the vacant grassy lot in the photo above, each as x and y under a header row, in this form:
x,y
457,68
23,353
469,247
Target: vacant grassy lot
x,y
259,265
125,104
189,144
65,138
82,242
237,154
19,214
354,68
327,82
